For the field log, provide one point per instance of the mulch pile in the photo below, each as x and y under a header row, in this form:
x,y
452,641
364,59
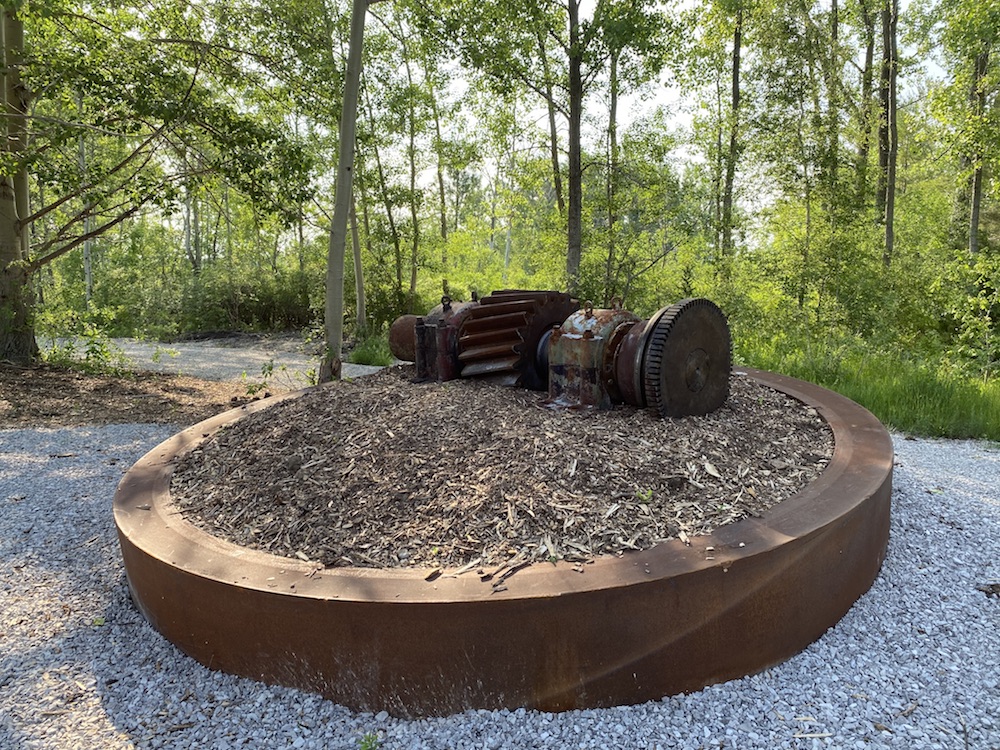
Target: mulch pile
x,y
382,472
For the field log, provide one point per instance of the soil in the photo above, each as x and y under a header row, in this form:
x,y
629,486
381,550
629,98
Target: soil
x,y
466,475
46,396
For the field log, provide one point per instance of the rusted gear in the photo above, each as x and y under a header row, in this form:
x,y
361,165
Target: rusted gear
x,y
688,359
500,337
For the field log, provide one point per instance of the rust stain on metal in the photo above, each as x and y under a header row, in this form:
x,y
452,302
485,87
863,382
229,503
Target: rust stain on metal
x,y
402,338
678,361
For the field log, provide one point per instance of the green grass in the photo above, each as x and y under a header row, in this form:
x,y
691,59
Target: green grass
x,y
914,397
372,350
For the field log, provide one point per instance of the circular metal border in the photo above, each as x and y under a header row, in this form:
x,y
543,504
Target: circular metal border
x,y
667,620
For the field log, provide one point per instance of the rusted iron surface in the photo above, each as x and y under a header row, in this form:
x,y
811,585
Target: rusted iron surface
x,y
502,337
677,362
581,357
402,338
630,353
497,336
436,337
687,360
626,630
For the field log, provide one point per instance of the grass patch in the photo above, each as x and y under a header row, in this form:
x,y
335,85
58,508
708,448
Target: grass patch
x,y
915,397
372,350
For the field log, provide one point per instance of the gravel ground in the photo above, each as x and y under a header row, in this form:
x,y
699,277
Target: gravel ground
x,y
915,664
282,360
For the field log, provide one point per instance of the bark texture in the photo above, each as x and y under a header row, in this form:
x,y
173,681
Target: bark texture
x,y
332,363
17,335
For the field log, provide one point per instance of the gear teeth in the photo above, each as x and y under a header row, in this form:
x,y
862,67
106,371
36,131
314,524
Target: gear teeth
x,y
500,337
688,360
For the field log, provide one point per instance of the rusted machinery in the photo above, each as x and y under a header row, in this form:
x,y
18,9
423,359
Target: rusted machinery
x,y
678,361
497,336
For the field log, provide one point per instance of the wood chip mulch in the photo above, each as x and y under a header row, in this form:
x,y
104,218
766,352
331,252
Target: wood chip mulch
x,y
381,472
48,396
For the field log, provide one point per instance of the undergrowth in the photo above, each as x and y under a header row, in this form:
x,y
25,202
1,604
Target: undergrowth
x,y
91,352
372,350
916,395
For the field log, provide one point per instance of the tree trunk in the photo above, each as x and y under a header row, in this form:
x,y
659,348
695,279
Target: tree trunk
x,y
553,132
888,141
365,216
831,196
733,150
229,229
275,250
212,221
387,203
367,224
978,100
958,225
17,334
191,229
865,108
331,364
457,203
411,303
611,183
88,276
717,168
833,104
196,232
976,203
361,316
883,130
442,195
508,236
300,220
300,238
807,184
574,230
493,215
507,245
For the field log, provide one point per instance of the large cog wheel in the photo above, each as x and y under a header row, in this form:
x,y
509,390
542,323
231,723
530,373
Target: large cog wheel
x,y
688,359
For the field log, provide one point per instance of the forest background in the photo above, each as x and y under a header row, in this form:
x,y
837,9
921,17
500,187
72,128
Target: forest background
x,y
825,171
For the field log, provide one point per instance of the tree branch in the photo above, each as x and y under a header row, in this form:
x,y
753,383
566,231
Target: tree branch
x,y
157,133
45,210
37,263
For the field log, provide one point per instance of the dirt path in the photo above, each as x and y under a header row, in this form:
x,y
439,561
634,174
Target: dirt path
x,y
180,384
284,362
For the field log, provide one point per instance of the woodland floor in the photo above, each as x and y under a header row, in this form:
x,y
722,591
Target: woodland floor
x,y
54,397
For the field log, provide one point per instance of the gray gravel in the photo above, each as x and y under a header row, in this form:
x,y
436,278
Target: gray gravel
x,y
915,664
282,360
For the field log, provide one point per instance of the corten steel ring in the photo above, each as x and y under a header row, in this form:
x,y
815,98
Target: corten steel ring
x,y
629,629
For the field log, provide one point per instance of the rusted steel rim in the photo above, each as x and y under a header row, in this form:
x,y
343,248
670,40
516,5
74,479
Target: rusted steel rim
x,y
629,629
